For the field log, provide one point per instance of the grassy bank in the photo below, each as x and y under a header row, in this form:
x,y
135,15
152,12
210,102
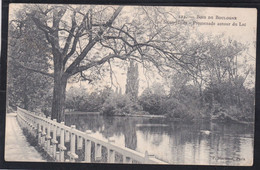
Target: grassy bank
x,y
32,140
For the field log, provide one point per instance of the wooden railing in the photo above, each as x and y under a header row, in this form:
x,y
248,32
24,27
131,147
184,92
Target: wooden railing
x,y
67,144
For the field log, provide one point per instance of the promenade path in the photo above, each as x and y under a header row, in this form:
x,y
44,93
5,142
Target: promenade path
x,y
16,146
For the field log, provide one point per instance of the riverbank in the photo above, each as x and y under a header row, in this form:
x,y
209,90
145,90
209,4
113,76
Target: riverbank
x,y
218,119
144,116
81,113
123,115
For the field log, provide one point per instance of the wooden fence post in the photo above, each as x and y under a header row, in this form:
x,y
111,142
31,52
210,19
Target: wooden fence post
x,y
57,156
43,133
67,136
147,157
111,152
39,132
48,137
87,148
54,139
61,145
79,142
34,127
72,153
58,131
127,160
98,154
111,156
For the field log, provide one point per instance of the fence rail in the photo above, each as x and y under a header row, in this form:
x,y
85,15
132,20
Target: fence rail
x,y
67,144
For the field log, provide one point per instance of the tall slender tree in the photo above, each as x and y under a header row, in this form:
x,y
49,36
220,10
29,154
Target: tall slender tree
x,y
132,81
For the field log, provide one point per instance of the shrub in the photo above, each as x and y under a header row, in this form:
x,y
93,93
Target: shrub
x,y
118,104
152,100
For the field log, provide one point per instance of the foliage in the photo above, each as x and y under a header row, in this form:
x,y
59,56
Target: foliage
x,y
118,104
184,104
83,39
177,110
234,99
186,101
180,103
26,88
78,99
132,81
152,99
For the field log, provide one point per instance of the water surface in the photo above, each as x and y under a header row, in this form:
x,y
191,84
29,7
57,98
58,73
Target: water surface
x,y
174,142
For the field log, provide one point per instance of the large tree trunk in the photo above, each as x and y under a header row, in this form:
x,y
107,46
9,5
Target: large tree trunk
x,y
59,90
58,101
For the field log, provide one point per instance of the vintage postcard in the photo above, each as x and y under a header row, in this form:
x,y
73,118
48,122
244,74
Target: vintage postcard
x,y
131,84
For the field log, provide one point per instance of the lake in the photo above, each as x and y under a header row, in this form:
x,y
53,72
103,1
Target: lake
x,y
174,142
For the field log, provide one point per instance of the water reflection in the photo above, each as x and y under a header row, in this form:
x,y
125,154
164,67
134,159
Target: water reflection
x,y
173,142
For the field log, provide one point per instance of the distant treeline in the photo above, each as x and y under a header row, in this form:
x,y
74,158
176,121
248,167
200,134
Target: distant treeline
x,y
184,103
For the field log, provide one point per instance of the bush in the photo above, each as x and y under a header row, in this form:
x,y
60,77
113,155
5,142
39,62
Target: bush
x,y
177,109
184,103
233,98
118,104
78,99
152,100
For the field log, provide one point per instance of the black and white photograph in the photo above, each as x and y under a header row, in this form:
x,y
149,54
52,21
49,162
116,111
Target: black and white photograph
x,y
132,84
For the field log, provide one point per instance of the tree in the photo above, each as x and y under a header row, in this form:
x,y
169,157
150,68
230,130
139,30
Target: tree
x,y
82,39
132,82
27,89
48,19
76,98
222,74
152,99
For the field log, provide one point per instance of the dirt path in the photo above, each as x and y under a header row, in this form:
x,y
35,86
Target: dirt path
x,y
16,146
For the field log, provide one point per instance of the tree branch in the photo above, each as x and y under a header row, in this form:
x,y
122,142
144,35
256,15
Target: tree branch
x,y
73,27
120,38
96,63
46,31
35,70
41,26
75,41
83,76
92,43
